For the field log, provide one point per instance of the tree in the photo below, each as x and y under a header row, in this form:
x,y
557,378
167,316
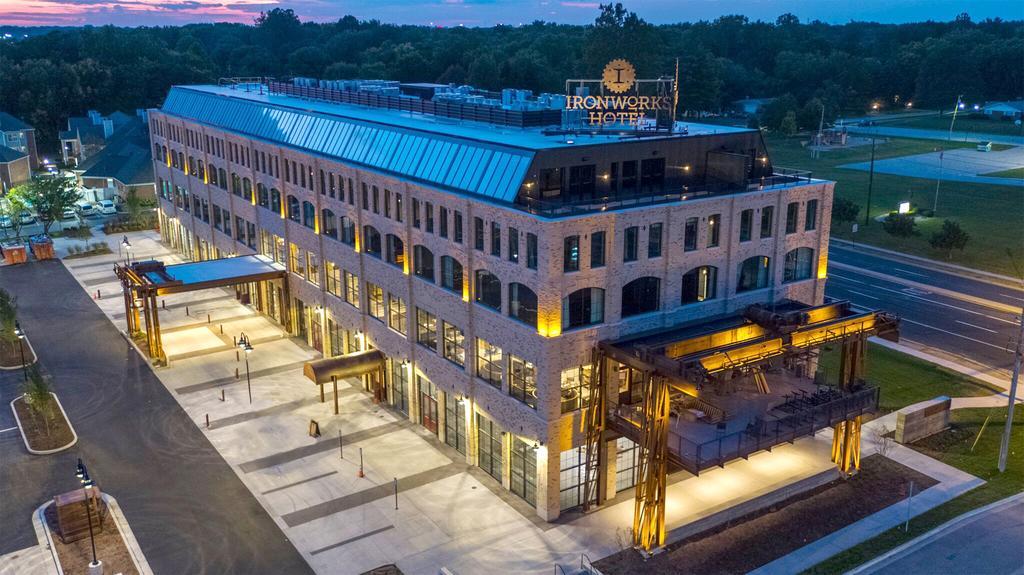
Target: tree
x,y
8,317
900,225
950,237
15,204
38,396
50,195
788,125
844,210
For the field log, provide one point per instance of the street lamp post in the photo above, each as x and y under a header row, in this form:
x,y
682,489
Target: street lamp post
x,y
21,346
246,346
127,250
95,568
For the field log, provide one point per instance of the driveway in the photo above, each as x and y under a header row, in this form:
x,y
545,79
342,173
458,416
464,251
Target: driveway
x,y
187,508
895,132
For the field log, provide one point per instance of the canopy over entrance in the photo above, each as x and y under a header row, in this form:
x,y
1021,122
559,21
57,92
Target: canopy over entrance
x,y
144,281
332,369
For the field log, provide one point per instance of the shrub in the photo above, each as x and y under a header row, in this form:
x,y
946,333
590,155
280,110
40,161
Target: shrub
x,y
900,225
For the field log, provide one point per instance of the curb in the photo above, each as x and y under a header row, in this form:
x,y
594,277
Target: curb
x,y
1000,278
900,551
967,371
74,435
43,534
35,358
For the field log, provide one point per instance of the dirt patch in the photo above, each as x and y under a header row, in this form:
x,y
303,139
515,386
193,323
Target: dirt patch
x,y
10,354
766,535
76,556
43,435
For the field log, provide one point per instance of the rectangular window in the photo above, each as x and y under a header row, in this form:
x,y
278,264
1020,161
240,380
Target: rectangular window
x,y
296,263
399,214
351,289
387,203
652,174
792,213
454,344
629,244
654,241
428,209
488,362
522,380
531,251
495,239
415,213
811,216
332,278
714,228
457,227
629,177
575,388
513,245
478,234
597,250
746,224
375,300
396,314
366,196
571,254
312,268
690,234
426,329
442,214
376,200
767,223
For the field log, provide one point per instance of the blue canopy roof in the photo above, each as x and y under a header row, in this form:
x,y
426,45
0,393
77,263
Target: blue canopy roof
x,y
370,138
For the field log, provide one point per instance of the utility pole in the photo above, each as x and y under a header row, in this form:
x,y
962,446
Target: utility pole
x,y
871,183
1004,448
949,138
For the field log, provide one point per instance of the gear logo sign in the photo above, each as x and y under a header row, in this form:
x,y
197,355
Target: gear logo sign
x,y
619,76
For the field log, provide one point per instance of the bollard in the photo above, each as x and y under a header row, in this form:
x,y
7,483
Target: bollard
x,y
222,394
236,373
208,423
222,329
234,342
163,304
99,295
236,354
360,474
396,493
208,320
186,310
341,446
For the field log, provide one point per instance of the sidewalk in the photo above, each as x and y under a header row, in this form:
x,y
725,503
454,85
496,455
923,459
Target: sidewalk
x,y
981,275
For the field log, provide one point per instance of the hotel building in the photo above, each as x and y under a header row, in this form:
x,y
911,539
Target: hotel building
x,y
488,256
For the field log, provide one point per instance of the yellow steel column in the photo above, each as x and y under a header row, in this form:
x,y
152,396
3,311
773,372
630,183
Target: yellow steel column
x,y
594,426
649,506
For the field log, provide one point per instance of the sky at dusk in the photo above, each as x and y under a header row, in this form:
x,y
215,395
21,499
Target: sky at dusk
x,y
487,12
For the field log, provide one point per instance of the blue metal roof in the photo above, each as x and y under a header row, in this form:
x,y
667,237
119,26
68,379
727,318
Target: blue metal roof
x,y
447,160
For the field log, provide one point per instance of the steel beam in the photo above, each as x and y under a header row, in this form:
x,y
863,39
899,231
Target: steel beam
x,y
649,504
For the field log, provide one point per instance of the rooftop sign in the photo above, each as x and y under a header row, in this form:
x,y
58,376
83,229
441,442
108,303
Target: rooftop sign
x,y
621,98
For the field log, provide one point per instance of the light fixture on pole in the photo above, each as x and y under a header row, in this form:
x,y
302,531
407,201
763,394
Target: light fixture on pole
x,y
127,250
246,346
95,567
21,346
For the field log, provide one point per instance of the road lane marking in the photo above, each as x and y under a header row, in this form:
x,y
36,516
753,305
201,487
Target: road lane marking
x,y
908,272
862,294
953,333
8,429
844,278
1012,296
977,326
1005,308
906,294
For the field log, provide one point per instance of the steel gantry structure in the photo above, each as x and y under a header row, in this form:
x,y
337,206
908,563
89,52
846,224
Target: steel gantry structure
x,y
685,359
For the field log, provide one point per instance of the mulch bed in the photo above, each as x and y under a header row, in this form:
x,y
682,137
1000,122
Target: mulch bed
x,y
766,535
384,570
10,354
34,426
76,556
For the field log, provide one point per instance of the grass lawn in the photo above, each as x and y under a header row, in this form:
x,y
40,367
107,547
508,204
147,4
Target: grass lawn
x,y
953,447
962,124
1014,173
905,379
989,213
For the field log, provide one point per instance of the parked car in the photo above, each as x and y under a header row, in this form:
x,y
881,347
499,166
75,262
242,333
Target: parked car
x,y
107,207
984,146
26,218
86,209
68,214
6,222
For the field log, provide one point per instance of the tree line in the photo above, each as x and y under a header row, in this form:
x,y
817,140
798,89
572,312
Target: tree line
x,y
806,66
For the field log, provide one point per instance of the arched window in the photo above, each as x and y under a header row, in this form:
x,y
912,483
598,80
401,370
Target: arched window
x,y
799,263
262,196
293,209
700,284
488,289
236,184
309,215
641,295
753,274
371,241
247,189
222,178
156,151
451,274
395,250
522,304
275,200
583,307
423,262
348,231
329,222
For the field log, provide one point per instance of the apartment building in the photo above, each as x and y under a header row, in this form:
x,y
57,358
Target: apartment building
x,y
484,256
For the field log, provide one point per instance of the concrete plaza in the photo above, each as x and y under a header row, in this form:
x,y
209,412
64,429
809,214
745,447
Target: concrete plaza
x,y
448,514
960,165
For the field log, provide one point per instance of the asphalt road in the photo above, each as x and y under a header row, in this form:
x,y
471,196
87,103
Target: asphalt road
x,y
187,508
974,330
957,136
990,543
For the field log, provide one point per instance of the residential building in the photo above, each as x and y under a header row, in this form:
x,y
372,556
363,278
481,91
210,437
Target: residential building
x,y
490,258
124,164
14,168
19,136
87,135
1011,110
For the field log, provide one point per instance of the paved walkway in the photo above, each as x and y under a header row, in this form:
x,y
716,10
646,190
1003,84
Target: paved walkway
x,y
449,514
961,165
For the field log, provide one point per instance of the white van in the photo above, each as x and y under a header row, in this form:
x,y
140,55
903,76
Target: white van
x,y
86,209
107,207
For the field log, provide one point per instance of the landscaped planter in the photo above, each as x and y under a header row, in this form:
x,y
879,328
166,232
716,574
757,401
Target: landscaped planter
x,y
33,432
10,355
